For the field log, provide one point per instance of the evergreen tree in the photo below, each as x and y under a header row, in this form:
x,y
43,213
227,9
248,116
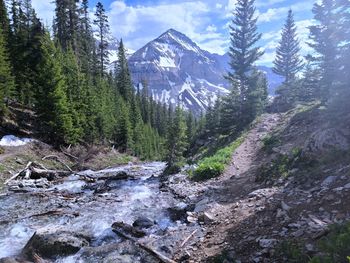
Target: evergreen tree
x,y
52,104
4,21
6,80
25,49
66,24
123,78
101,22
288,62
86,40
123,132
176,142
310,82
324,40
243,54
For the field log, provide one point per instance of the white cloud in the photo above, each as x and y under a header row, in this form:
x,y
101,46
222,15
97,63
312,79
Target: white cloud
x,y
140,24
45,11
262,3
273,14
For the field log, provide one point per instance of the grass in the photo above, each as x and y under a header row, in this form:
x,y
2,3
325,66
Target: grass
x,y
214,166
279,167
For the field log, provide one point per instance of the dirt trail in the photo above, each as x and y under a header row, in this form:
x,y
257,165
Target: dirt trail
x,y
232,188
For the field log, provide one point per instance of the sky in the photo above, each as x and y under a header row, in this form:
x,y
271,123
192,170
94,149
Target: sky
x,y
206,22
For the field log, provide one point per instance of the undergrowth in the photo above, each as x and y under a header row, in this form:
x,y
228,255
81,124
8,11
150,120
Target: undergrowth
x,y
280,167
333,248
214,166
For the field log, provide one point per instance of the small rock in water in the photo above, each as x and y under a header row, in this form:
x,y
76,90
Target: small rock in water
x,y
143,222
178,212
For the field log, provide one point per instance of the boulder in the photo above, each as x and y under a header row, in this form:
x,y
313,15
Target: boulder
x,y
326,140
52,242
329,180
206,218
178,212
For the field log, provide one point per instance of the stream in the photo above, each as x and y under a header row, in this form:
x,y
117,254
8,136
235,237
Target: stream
x,y
74,205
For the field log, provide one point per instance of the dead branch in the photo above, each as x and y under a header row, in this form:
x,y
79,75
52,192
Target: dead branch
x,y
188,238
19,173
145,247
68,154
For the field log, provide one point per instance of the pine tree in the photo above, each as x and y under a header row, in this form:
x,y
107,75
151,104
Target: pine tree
x,y
52,104
123,132
101,22
4,21
25,49
66,24
176,142
86,41
310,81
123,78
288,62
243,54
7,84
324,40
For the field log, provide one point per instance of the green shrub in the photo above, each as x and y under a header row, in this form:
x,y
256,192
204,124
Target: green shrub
x,y
270,142
279,167
292,251
214,166
335,246
2,150
209,170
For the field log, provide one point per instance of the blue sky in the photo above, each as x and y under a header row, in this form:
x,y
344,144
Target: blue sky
x,y
204,21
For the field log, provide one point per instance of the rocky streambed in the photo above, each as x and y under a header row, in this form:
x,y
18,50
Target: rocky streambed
x,y
114,215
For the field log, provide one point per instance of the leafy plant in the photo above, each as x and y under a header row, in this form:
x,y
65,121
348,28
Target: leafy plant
x,y
214,166
335,246
279,167
292,251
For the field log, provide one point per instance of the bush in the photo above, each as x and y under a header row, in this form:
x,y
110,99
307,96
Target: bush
x,y
214,166
208,170
270,142
335,246
2,150
280,167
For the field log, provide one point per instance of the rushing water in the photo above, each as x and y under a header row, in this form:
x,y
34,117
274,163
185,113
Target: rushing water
x,y
89,208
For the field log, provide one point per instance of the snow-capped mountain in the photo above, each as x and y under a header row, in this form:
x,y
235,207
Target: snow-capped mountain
x,y
178,71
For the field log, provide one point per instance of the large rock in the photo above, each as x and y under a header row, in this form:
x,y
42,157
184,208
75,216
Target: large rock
x,y
53,242
326,140
122,228
178,212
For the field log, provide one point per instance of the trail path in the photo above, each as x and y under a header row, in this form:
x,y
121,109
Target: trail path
x,y
226,198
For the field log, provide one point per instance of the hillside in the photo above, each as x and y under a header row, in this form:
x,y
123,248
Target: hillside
x,y
286,186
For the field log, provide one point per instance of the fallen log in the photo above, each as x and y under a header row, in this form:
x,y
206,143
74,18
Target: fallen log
x,y
19,173
32,172
145,247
